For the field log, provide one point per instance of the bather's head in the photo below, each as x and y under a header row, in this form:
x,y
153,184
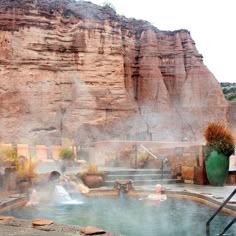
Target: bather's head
x,y
158,188
54,176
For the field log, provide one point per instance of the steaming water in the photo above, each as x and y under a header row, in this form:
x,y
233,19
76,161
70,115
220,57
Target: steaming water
x,y
61,196
132,217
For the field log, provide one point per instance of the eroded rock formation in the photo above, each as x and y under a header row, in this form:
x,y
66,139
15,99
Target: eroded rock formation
x,y
232,115
79,71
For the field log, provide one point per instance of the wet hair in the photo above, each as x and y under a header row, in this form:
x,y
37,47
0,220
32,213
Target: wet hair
x,y
54,175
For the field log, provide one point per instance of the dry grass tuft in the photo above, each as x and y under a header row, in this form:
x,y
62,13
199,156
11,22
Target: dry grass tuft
x,y
217,131
219,137
27,168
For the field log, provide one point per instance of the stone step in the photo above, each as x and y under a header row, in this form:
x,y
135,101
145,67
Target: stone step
x,y
138,176
136,171
147,182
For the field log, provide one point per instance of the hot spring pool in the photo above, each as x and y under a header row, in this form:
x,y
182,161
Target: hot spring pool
x,y
131,216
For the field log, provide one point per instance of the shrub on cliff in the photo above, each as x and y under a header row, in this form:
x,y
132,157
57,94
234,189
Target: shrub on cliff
x,y
229,90
107,4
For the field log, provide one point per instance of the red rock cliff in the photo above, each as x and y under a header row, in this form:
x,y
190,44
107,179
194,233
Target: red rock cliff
x,y
76,70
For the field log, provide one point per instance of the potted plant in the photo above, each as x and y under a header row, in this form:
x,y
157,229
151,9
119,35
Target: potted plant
x,y
9,157
26,172
10,163
21,169
67,156
220,146
92,177
143,159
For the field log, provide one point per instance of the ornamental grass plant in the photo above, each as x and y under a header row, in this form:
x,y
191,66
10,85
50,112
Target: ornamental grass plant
x,y
91,168
9,155
219,138
27,168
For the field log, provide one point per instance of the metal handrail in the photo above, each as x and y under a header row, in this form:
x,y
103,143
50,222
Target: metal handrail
x,y
162,160
148,151
218,210
228,226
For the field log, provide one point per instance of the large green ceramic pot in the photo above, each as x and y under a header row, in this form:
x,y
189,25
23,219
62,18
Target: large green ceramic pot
x,y
217,166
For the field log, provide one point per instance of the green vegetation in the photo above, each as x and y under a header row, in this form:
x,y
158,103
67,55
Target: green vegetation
x,y
108,4
66,154
229,90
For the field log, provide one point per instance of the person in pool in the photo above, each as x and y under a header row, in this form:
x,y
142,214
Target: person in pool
x,y
157,196
33,198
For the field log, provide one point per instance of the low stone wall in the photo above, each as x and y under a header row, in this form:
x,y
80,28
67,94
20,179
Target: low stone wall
x,y
185,159
41,152
9,202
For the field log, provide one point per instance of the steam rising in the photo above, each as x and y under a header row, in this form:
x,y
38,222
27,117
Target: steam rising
x,y
133,217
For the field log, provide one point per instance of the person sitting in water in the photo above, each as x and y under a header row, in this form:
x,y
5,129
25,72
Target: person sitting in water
x,y
59,187
158,196
33,198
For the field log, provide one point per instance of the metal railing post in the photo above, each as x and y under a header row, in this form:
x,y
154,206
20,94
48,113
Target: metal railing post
x,y
162,168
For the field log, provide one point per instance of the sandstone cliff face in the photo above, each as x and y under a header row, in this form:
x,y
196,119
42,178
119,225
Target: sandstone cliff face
x,y
75,70
232,115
